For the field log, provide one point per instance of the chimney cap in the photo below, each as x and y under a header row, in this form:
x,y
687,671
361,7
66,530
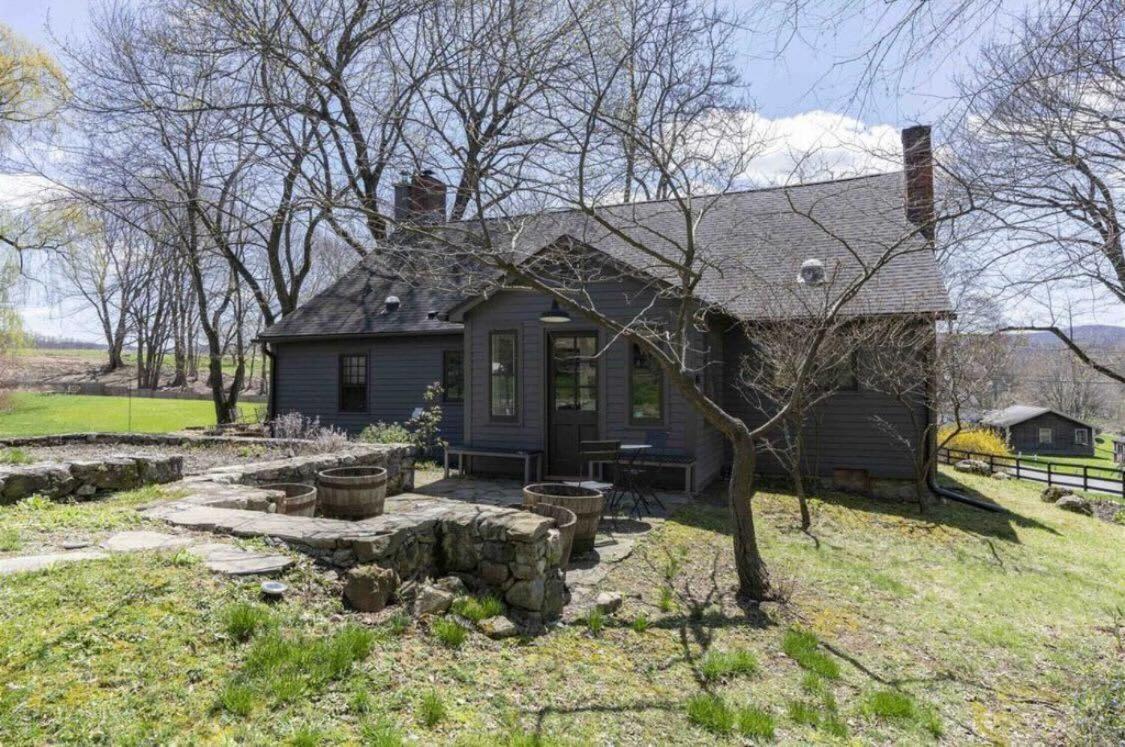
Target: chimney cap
x,y
812,272
391,303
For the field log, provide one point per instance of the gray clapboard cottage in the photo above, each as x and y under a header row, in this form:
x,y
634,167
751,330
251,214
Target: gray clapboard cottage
x,y
1040,430
366,348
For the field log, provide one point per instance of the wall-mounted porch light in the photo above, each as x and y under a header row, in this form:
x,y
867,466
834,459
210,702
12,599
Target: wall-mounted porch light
x,y
555,315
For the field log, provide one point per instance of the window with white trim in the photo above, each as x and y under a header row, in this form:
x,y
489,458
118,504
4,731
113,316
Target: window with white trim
x,y
1081,437
1046,436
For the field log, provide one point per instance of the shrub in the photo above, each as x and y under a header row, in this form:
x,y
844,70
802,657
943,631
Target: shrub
x,y
721,665
801,646
296,426
478,608
242,620
432,710
386,433
980,440
450,632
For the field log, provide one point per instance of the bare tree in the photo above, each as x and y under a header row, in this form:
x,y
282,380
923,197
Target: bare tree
x,y
1043,150
693,142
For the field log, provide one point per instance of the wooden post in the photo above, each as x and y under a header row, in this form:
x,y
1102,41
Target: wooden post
x,y
1048,474
1085,477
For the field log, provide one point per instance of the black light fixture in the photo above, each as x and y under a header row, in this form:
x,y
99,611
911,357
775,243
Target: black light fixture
x,y
555,315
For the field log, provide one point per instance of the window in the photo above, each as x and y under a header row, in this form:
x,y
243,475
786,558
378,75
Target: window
x,y
353,383
646,388
453,376
1046,436
502,385
1081,436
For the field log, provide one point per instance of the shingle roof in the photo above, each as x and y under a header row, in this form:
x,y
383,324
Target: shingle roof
x,y
753,243
1016,414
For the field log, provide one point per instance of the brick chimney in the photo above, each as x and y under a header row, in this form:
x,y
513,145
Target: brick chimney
x,y
918,161
420,198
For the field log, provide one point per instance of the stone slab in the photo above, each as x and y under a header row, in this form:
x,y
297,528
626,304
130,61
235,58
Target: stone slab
x,y
138,541
233,561
25,563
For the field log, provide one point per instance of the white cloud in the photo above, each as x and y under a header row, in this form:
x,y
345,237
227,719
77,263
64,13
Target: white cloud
x,y
23,190
817,145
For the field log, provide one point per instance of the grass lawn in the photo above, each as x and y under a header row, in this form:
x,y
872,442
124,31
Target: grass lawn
x,y
960,626
36,413
1102,459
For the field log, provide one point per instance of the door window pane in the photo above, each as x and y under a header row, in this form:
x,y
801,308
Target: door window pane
x,y
453,376
646,388
576,372
502,376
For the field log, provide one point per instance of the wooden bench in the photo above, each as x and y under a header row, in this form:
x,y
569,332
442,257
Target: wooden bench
x,y
528,456
661,459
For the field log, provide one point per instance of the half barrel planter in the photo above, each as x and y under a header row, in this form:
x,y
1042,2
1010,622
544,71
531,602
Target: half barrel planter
x,y
352,492
586,503
565,521
299,499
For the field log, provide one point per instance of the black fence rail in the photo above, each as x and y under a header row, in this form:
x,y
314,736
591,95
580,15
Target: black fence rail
x,y
1100,479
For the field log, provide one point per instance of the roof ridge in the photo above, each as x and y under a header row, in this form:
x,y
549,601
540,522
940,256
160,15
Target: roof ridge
x,y
729,193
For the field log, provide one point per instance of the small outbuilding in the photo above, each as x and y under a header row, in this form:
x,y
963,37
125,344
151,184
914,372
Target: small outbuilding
x,y
1040,430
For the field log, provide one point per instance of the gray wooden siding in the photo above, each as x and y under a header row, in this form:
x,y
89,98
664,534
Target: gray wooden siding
x,y
520,311
1024,437
399,370
842,431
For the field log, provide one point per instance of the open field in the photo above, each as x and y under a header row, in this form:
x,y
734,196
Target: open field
x,y
35,413
959,627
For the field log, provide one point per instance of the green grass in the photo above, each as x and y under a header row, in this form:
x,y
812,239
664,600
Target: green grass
x,y
1102,460
36,413
15,456
450,632
476,609
136,648
431,710
802,647
243,620
716,666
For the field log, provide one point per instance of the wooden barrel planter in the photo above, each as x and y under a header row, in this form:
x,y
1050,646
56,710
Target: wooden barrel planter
x,y
565,521
352,492
299,499
586,503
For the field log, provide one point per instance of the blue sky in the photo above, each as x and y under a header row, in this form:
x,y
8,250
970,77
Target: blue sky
x,y
802,93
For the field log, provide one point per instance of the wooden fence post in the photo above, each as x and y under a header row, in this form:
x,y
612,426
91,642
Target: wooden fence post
x,y
1048,474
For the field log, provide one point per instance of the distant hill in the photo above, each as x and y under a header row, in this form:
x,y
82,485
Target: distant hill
x,y
1087,335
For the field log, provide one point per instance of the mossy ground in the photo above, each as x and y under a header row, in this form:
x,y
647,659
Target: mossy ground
x,y
991,627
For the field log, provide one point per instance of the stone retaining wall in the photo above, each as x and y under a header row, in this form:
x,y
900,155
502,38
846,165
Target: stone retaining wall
x,y
83,479
397,460
512,553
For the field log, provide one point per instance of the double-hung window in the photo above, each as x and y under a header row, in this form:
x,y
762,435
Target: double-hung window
x,y
1081,437
353,383
1046,436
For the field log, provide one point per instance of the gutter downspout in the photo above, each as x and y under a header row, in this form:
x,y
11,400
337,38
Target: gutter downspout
x,y
271,400
931,477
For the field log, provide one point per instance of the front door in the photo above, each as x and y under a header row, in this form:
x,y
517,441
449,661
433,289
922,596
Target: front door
x,y
572,397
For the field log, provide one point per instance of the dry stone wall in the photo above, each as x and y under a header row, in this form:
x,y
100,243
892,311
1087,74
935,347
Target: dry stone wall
x,y
84,479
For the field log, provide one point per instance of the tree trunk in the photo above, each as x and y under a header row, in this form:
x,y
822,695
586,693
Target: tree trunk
x,y
753,580
799,483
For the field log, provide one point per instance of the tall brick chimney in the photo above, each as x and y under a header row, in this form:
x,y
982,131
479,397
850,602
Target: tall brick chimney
x,y
420,198
918,161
